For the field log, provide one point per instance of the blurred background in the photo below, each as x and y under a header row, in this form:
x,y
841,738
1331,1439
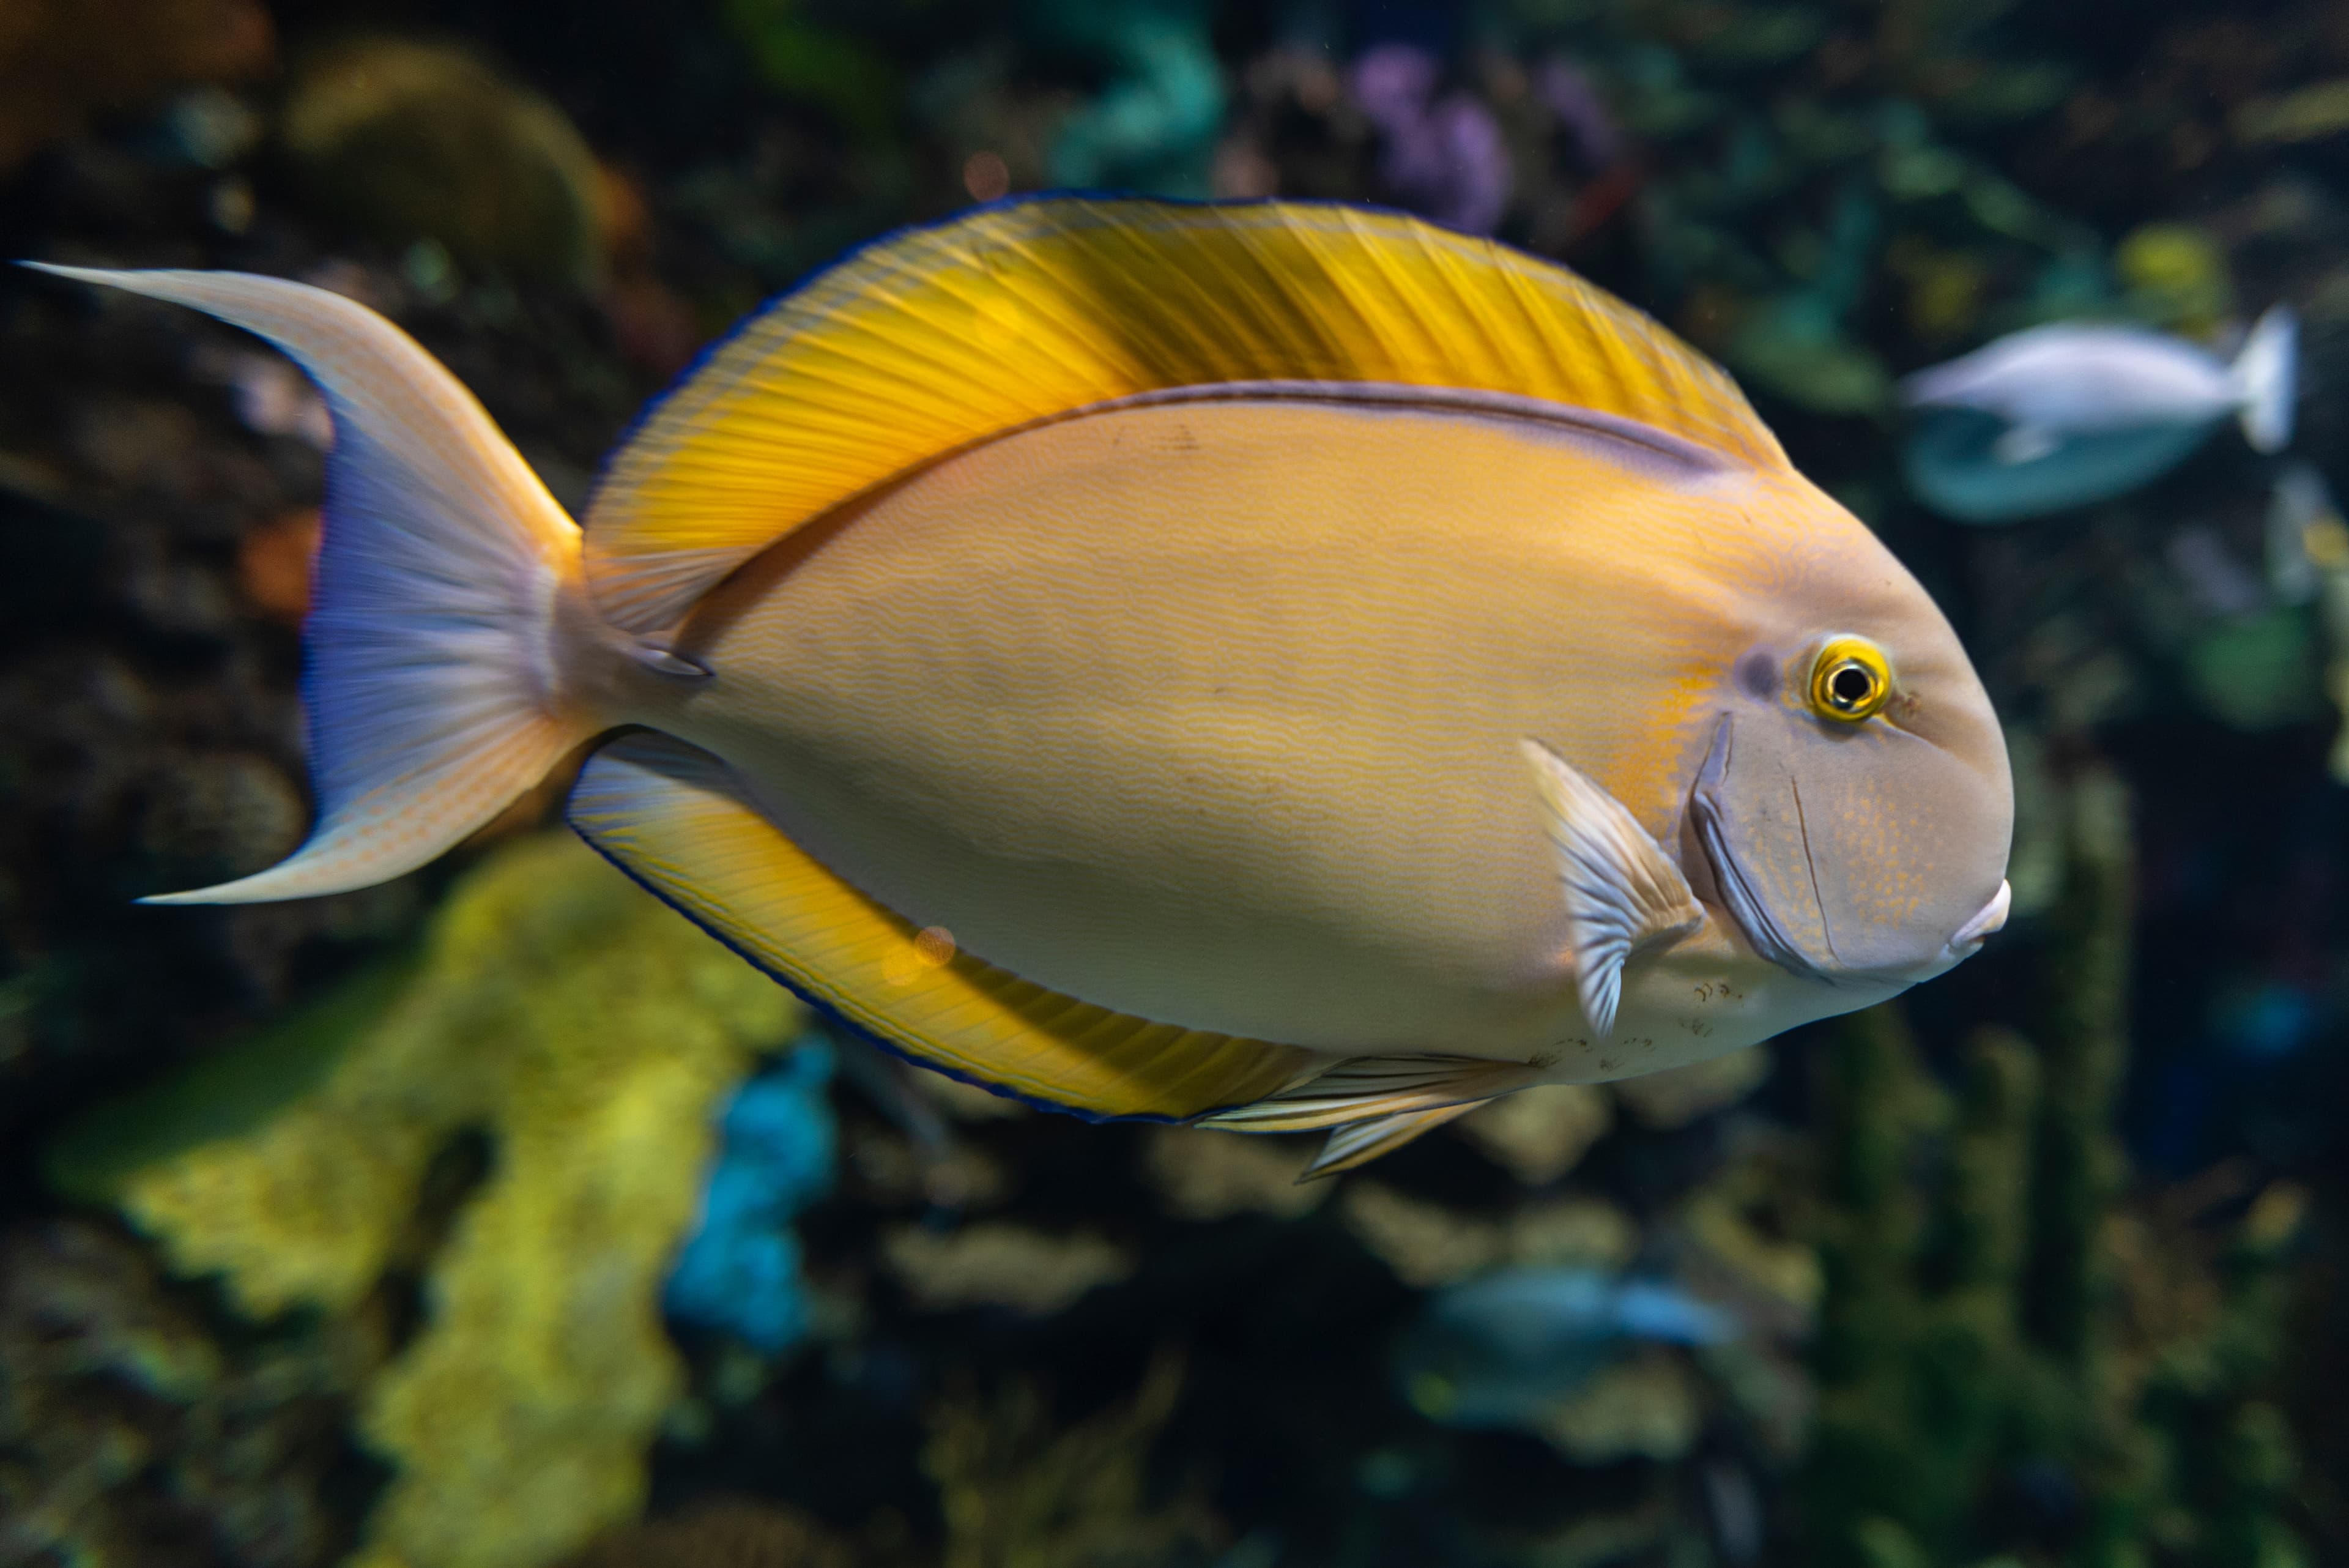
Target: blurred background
x,y
496,1218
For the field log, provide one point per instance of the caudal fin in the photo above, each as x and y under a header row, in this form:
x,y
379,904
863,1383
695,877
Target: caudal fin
x,y
2267,378
428,682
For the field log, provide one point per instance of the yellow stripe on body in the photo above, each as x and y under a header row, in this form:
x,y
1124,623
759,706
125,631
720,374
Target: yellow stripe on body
x,y
937,339
674,817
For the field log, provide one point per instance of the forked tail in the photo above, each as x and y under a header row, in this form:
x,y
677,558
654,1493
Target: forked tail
x,y
428,683
2267,378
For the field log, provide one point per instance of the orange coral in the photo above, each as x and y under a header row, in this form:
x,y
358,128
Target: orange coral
x,y
274,565
63,62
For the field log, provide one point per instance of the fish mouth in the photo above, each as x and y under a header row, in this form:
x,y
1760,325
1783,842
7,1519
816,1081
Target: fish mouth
x,y
1793,910
1989,918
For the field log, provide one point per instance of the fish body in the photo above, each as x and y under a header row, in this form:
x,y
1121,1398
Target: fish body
x,y
2053,384
1236,808
1284,667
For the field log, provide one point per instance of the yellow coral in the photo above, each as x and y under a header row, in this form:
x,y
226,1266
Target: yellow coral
x,y
1540,1134
1018,1494
996,1263
1208,1174
591,1032
1649,1407
410,140
1679,1096
1427,1245
2176,276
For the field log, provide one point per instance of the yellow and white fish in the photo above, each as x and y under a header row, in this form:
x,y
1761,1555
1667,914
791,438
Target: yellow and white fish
x,y
1280,666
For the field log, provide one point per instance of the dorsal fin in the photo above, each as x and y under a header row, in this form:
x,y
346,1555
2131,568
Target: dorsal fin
x,y
936,339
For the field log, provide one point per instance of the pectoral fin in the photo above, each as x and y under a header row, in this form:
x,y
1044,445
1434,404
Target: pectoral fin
x,y
1622,892
2023,443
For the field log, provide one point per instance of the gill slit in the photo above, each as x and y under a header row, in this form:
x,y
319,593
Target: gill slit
x,y
1817,901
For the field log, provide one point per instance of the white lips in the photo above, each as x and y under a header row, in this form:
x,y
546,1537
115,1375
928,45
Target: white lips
x,y
1969,936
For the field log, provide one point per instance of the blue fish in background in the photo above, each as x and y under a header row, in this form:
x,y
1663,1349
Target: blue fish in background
x,y
2066,415
740,1271
1953,464
1497,1351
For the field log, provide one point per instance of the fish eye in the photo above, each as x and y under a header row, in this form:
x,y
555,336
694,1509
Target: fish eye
x,y
1851,680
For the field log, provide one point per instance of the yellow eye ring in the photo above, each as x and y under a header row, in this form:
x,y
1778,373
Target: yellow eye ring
x,y
1851,680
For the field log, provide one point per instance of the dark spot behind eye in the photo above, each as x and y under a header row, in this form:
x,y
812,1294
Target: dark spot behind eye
x,y
1756,674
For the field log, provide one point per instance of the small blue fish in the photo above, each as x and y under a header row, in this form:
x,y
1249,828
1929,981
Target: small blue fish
x,y
2066,415
1498,1351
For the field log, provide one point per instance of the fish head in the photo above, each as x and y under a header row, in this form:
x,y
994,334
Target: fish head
x,y
1853,809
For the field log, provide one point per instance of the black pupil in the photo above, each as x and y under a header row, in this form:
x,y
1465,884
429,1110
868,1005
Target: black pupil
x,y
1851,686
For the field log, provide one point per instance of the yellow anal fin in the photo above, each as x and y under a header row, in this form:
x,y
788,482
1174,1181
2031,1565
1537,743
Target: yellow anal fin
x,y
936,339
1359,1142
1371,1087
678,820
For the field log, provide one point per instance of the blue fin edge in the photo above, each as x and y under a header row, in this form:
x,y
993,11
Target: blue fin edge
x,y
850,1027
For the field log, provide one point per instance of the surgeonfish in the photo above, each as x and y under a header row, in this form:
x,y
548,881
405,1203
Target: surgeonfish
x,y
1276,665
2068,414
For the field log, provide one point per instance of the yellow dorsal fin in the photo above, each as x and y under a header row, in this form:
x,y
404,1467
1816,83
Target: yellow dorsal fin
x,y
675,818
939,338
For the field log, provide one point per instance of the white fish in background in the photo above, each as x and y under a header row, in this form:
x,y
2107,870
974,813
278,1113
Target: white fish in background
x,y
2053,384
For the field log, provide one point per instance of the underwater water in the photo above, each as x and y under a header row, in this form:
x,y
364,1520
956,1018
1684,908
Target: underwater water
x,y
495,1217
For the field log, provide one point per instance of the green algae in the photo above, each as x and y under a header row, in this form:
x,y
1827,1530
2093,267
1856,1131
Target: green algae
x,y
1988,1284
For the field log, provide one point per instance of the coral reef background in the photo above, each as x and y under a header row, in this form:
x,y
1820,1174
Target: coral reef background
x,y
496,1218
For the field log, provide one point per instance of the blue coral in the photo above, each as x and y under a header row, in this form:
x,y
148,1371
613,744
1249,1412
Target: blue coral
x,y
739,1274
1153,126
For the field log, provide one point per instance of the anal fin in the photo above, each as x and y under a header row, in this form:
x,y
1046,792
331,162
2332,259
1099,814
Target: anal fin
x,y
1369,1088
1358,1143
1373,1105
679,821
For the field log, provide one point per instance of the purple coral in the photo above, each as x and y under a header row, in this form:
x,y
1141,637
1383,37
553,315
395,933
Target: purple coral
x,y
1568,93
1444,157
1393,83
